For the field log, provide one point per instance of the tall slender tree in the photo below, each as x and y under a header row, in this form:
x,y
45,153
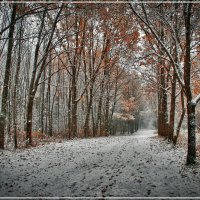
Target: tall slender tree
x,y
4,103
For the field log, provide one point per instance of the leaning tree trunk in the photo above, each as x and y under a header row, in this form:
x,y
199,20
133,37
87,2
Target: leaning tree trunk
x,y
42,104
175,138
35,79
4,102
32,92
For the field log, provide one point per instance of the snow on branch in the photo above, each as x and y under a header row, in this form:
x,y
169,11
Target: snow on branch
x,y
123,117
176,66
196,99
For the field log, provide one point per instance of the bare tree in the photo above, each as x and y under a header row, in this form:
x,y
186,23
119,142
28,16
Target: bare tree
x,y
4,102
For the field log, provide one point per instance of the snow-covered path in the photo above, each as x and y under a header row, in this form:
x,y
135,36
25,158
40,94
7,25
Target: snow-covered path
x,y
136,165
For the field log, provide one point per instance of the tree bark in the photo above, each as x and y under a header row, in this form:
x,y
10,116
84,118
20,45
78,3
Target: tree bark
x,y
15,93
175,138
107,107
69,112
86,125
172,107
98,120
4,102
74,104
191,155
162,109
162,105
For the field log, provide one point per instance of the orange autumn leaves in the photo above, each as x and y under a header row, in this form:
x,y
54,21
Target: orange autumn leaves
x,y
128,104
196,89
128,38
128,101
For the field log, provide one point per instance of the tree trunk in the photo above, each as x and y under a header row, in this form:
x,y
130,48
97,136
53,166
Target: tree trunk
x,y
191,155
15,93
98,120
51,113
34,79
181,119
107,106
42,105
29,119
174,80
114,103
69,113
162,105
86,125
32,92
48,100
172,107
4,102
74,105
163,111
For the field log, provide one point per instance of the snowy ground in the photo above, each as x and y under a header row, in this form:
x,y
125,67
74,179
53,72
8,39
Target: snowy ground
x,y
138,165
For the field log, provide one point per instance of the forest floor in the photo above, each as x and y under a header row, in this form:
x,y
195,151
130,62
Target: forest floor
x,y
138,165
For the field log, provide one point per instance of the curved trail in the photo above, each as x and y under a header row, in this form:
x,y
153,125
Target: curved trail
x,y
135,165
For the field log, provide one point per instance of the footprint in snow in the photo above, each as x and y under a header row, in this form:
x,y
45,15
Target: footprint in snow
x,y
139,181
108,173
73,185
148,192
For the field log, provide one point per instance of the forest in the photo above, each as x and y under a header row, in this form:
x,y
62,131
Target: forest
x,y
72,70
